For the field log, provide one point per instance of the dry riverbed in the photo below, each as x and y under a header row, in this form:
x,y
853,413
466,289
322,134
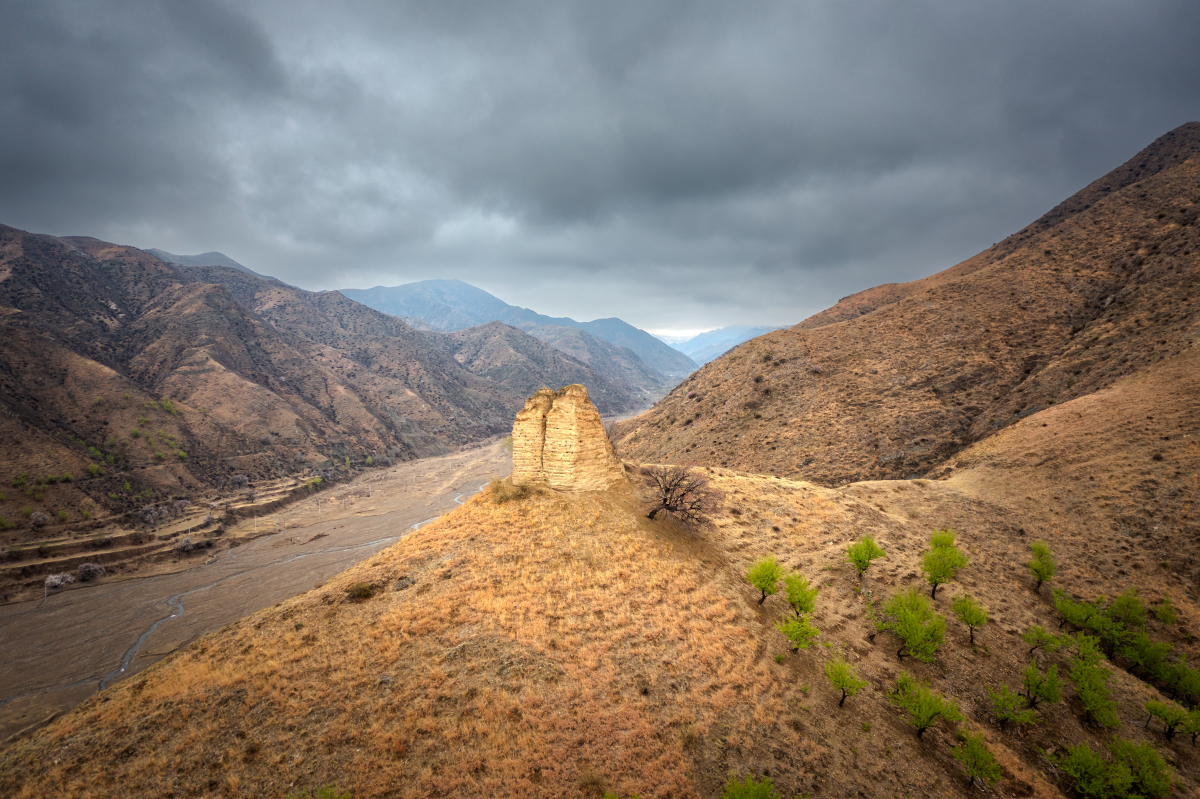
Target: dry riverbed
x,y
58,651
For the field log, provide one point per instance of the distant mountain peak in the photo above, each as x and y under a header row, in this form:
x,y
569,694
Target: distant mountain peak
x,y
207,259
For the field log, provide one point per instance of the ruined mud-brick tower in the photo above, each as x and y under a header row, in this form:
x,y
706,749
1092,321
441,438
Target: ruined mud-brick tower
x,y
559,441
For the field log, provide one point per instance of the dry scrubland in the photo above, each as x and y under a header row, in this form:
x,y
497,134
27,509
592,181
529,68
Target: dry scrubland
x,y
563,644
554,645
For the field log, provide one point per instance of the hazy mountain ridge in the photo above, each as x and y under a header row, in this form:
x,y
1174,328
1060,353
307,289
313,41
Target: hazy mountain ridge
x,y
453,305
715,343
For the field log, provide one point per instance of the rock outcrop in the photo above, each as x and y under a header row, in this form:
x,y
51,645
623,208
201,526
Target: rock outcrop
x,y
559,441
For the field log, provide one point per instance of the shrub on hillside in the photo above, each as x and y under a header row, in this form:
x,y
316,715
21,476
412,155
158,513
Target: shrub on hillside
x,y
750,788
1008,705
976,759
942,561
911,617
1041,566
1135,771
683,493
89,571
843,677
970,613
923,706
765,576
862,552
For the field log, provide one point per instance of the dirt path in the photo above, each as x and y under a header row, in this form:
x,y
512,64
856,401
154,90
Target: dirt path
x,y
56,653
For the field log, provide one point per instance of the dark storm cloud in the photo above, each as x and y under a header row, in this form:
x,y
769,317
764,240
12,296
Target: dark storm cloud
x,y
681,165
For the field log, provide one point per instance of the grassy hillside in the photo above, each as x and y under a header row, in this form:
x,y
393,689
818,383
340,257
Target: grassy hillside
x,y
559,645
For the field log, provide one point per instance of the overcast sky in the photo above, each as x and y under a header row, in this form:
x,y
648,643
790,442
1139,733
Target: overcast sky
x,y
682,165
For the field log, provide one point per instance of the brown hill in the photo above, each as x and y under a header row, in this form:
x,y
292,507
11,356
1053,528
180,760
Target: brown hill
x,y
264,380
618,365
563,644
895,380
522,363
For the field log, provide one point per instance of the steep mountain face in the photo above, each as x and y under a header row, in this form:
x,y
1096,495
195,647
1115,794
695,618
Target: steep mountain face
x,y
453,305
618,365
715,343
523,364
893,381
264,379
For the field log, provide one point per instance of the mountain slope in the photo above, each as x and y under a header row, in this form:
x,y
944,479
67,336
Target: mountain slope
x,y
96,334
523,364
453,305
205,259
892,382
616,364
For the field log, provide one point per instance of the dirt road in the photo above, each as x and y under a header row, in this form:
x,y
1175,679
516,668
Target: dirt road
x,y
56,653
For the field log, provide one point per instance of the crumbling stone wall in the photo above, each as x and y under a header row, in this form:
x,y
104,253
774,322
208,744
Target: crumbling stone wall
x,y
559,441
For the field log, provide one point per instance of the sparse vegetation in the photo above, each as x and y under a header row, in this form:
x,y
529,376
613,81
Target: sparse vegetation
x,y
765,575
921,631
844,677
970,613
923,706
1042,565
942,561
862,552
360,591
686,494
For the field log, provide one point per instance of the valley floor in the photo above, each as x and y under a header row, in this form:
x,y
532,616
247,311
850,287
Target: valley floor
x,y
61,650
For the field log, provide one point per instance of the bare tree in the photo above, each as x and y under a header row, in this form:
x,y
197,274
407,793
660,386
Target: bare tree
x,y
684,493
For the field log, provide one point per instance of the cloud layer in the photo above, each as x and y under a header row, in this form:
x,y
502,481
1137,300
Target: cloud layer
x,y
678,164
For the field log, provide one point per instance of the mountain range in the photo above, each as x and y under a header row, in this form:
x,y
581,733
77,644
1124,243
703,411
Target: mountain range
x,y
160,376
453,305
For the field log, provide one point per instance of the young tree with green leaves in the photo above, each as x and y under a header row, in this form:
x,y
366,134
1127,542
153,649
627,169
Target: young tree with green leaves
x,y
976,759
1039,638
1077,614
970,613
942,561
1040,687
799,631
923,705
1042,565
1007,705
799,595
911,617
844,677
765,576
1091,682
862,552
1169,713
